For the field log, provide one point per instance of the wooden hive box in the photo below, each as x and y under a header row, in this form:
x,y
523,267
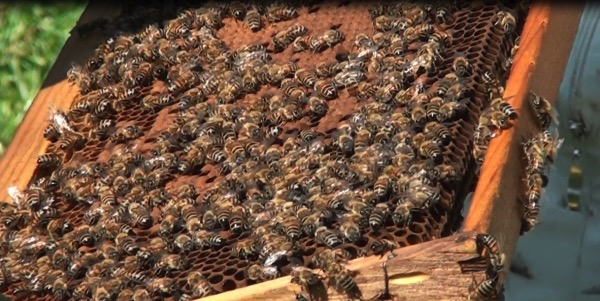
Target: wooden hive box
x,y
441,269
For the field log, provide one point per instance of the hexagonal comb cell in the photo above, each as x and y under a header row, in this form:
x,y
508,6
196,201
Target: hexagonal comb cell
x,y
226,143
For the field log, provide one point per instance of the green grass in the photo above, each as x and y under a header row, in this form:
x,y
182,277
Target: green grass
x,y
31,36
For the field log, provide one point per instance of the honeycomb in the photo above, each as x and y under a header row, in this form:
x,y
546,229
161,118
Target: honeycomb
x,y
124,147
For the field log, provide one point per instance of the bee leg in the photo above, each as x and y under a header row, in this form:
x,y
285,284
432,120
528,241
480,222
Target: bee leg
x,y
472,288
385,293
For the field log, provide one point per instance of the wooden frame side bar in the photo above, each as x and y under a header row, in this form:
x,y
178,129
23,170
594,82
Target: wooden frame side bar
x,y
538,66
18,163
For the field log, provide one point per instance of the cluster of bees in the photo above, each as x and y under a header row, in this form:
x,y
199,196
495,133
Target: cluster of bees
x,y
540,150
382,167
498,116
488,289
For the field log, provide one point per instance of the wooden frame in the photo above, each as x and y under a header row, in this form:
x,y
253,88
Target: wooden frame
x,y
438,270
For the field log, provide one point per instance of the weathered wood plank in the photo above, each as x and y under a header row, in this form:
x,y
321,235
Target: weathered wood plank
x,y
442,269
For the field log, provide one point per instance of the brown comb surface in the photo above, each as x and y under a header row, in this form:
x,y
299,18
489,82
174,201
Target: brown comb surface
x,y
475,35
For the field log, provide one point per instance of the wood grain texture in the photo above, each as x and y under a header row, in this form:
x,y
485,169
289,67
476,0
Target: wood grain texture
x,y
18,164
538,66
437,270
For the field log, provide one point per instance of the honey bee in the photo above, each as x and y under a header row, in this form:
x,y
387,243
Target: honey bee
x,y
205,239
417,200
199,285
484,290
61,259
59,288
479,151
127,133
80,77
456,92
384,23
543,110
306,77
71,141
342,280
184,243
379,216
280,12
291,89
349,226
551,144
382,246
102,293
58,227
503,106
508,62
532,211
433,108
332,37
109,251
32,198
284,38
141,294
496,257
52,133
256,272
126,295
327,237
244,249
81,263
140,215
162,286
253,19
441,37
305,277
126,244
418,114
170,263
438,130
102,130
494,120
317,107
461,66
326,69
364,90
362,41
349,78
326,88
443,14
506,20
237,10
344,142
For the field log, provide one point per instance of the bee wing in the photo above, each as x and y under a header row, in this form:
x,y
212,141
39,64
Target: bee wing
x,y
16,195
558,143
274,257
47,203
60,120
270,270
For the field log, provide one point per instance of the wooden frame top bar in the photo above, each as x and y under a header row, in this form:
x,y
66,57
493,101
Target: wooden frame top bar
x,y
423,272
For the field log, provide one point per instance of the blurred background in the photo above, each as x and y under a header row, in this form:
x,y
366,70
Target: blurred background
x,y
557,261
31,36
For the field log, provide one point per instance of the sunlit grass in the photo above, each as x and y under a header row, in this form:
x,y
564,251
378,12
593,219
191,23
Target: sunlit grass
x,y
31,36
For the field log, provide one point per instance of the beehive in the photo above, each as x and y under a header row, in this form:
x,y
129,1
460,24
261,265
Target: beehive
x,y
474,30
